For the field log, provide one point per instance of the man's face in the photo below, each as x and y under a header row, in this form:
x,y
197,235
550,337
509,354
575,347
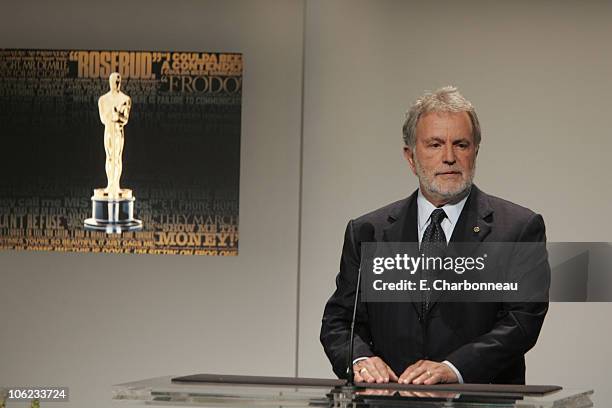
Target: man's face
x,y
444,157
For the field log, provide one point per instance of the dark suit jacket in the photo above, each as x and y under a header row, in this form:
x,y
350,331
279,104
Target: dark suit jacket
x,y
486,342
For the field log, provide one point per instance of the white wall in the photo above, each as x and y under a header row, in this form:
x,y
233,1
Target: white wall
x,y
539,75
90,321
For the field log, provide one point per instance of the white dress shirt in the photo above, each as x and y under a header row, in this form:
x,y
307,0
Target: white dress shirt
x,y
425,208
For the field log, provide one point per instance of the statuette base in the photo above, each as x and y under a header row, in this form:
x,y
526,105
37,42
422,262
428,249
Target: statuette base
x,y
112,215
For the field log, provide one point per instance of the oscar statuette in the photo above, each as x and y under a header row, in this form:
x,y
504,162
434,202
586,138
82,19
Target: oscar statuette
x,y
113,206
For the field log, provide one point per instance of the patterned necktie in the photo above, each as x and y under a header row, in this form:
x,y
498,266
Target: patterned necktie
x,y
432,244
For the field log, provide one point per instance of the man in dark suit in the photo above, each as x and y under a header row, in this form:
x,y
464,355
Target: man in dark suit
x,y
442,342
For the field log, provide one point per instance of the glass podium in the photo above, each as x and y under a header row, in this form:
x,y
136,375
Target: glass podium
x,y
164,391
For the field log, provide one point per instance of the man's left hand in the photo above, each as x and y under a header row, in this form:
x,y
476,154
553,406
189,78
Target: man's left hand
x,y
427,372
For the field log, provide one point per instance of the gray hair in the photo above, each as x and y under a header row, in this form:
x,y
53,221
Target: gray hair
x,y
446,99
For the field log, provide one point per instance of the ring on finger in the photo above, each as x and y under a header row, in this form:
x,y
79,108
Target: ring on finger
x,y
363,369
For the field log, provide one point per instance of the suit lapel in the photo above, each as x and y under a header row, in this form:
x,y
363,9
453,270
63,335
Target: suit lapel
x,y
404,228
473,226
474,223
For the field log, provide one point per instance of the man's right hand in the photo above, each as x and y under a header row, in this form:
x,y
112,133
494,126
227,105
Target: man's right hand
x,y
373,369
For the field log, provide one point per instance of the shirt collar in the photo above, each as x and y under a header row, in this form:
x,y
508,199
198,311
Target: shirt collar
x,y
425,208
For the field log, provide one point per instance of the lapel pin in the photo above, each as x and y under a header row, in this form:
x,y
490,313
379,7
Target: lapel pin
x,y
476,229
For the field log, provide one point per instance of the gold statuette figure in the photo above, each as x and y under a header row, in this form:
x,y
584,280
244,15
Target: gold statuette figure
x,y
114,107
113,206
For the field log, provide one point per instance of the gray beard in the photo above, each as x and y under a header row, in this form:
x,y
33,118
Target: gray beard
x,y
432,188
